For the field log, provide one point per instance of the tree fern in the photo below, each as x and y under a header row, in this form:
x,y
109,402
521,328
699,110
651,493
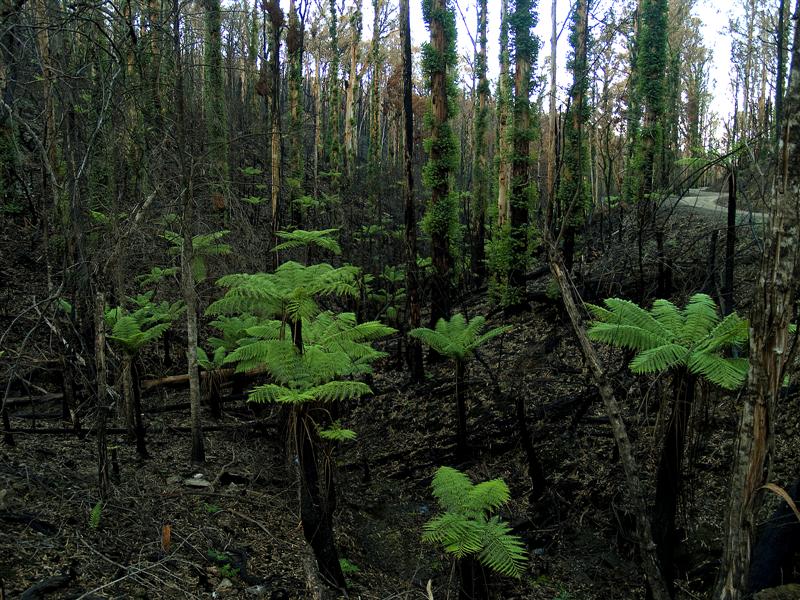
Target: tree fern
x,y
466,527
667,337
203,246
300,238
458,339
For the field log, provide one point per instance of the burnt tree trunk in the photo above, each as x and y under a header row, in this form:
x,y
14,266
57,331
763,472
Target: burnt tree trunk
x,y
414,352
771,313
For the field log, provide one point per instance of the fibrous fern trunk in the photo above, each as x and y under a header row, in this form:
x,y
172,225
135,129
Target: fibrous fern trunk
x,y
473,580
138,419
462,450
316,511
669,476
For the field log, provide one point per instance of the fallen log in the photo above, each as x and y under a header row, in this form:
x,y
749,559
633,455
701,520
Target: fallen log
x,y
46,587
28,400
183,379
123,430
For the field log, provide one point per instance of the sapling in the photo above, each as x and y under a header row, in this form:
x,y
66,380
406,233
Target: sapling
x,y
458,339
132,330
468,530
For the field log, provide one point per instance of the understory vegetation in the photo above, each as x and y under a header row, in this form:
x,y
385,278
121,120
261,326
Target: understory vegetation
x,y
304,299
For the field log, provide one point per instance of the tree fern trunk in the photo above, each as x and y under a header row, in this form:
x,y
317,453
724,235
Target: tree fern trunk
x,y
669,477
141,447
473,580
462,451
315,512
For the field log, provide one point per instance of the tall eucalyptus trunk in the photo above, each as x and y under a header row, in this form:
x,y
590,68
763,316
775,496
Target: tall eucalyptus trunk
x,y
439,65
505,145
480,169
353,85
414,355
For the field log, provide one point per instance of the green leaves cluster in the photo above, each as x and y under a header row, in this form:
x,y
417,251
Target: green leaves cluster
x,y
289,294
666,337
466,527
147,322
457,338
203,246
332,347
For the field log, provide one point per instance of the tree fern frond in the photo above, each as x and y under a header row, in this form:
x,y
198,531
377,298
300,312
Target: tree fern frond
x,y
269,392
502,551
458,535
451,488
338,390
436,340
659,359
336,433
487,496
731,331
700,317
630,313
625,336
724,372
666,313
300,238
599,313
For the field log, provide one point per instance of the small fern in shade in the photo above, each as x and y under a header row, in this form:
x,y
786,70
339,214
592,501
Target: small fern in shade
x,y
203,246
458,339
466,528
667,337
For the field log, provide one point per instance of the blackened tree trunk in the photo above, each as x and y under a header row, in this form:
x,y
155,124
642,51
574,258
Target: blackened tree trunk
x,y
198,453
414,356
771,313
730,242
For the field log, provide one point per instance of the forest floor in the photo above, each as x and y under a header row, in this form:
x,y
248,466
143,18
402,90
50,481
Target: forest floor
x,y
235,529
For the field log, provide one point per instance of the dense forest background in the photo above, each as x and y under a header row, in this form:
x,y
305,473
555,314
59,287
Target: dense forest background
x,y
290,310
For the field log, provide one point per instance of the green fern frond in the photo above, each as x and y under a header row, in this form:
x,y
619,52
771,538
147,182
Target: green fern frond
x,y
727,373
599,313
732,331
659,359
456,338
487,496
451,488
668,314
700,317
338,390
465,529
459,535
300,238
629,313
336,433
502,551
625,336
